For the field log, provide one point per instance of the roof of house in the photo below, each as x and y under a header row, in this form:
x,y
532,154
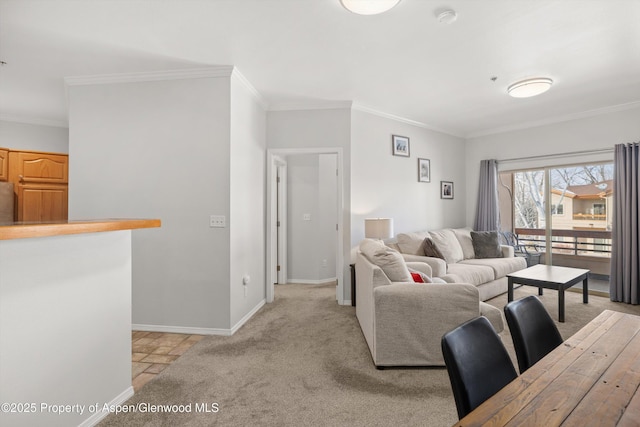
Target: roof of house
x,y
591,191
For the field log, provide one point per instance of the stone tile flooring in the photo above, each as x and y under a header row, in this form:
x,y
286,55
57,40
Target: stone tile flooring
x,y
152,352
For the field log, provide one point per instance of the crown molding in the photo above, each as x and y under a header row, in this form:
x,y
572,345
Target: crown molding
x,y
33,121
150,76
375,112
247,84
310,105
554,120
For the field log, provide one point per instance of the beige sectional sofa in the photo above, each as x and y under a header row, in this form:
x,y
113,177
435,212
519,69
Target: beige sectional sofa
x,y
461,264
403,322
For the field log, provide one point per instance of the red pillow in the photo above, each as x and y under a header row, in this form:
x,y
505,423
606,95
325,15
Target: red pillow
x,y
417,278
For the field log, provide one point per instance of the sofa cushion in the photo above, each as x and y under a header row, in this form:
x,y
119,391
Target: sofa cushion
x,y
446,241
389,260
430,249
411,243
501,266
486,244
468,273
464,237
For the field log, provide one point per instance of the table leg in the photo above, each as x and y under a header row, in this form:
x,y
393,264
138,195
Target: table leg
x,y
539,290
561,303
585,290
510,290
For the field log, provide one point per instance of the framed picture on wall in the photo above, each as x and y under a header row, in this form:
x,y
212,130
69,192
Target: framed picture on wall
x,y
424,170
446,190
400,145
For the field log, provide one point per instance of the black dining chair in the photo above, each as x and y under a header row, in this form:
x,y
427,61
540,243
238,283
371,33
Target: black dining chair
x,y
477,362
533,331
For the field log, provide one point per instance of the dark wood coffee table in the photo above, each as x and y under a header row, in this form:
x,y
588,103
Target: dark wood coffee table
x,y
551,277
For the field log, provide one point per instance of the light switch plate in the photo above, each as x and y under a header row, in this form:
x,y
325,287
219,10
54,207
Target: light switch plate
x,y
306,217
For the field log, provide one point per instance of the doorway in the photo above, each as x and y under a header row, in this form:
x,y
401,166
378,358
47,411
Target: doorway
x,y
279,234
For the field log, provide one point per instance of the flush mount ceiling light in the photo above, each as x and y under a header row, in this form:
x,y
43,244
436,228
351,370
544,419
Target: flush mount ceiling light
x,y
529,87
447,16
368,7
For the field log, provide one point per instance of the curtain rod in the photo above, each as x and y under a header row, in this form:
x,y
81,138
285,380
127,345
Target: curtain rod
x,y
558,155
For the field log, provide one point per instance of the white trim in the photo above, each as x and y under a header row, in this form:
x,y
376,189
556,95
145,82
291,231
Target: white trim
x,y
375,112
100,415
554,120
192,330
312,282
310,105
33,121
345,302
150,76
247,84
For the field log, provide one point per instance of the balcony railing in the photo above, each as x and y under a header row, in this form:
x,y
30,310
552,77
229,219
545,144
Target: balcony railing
x,y
585,216
573,242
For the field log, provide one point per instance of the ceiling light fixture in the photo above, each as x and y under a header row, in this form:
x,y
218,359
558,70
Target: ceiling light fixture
x,y
530,87
448,16
368,7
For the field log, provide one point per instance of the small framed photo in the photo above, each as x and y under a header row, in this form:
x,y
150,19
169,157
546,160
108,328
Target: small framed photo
x,y
424,170
400,145
446,190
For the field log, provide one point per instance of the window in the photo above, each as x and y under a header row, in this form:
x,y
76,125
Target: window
x,y
557,209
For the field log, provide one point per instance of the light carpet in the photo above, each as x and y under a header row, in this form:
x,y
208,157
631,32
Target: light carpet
x,y
302,361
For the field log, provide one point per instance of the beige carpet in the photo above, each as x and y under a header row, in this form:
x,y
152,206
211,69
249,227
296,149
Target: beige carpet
x,y
302,361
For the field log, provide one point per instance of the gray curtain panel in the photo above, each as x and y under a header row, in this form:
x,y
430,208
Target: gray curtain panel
x,y
625,249
487,211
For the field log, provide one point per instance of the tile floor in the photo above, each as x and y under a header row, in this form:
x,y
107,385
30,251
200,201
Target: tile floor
x,y
152,352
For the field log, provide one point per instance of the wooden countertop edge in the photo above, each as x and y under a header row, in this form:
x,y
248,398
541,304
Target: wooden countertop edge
x,y
24,231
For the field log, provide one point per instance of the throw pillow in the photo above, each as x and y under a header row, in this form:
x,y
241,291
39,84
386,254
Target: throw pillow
x,y
419,276
448,245
389,260
486,244
411,243
464,237
430,249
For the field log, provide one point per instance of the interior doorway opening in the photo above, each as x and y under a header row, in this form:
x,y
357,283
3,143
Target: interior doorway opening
x,y
299,226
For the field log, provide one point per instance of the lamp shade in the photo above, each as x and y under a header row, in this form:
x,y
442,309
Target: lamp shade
x,y
378,228
368,7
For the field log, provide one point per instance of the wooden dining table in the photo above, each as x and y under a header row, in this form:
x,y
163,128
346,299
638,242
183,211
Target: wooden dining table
x,y
592,379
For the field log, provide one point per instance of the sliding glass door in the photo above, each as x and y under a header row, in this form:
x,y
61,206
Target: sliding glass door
x,y
563,214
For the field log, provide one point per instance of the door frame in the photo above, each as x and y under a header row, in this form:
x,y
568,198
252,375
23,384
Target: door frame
x,y
274,160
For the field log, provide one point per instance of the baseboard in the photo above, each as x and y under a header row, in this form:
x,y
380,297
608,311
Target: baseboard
x,y
99,414
196,330
312,282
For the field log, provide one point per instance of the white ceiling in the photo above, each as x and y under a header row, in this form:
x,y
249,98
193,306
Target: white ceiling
x,y
403,63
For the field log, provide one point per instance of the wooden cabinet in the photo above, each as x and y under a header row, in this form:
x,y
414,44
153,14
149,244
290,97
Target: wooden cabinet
x,y
4,164
40,185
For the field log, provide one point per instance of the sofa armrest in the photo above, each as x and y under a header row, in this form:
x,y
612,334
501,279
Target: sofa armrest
x,y
422,267
438,265
507,251
410,320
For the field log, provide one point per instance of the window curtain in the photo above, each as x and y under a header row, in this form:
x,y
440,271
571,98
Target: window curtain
x,y
487,211
625,250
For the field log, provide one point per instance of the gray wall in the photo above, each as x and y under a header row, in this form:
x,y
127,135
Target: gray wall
x,y
24,136
163,149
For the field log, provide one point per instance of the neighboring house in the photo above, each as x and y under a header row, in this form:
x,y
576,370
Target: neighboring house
x,y
583,207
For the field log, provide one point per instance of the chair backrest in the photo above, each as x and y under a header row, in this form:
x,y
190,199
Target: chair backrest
x,y
532,329
477,362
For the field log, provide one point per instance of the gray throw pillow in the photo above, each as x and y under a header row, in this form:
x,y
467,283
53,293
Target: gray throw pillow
x,y
430,249
486,244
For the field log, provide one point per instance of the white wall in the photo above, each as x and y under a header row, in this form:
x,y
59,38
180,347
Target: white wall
x,y
593,133
23,136
248,204
65,325
383,185
161,149
311,244
327,215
